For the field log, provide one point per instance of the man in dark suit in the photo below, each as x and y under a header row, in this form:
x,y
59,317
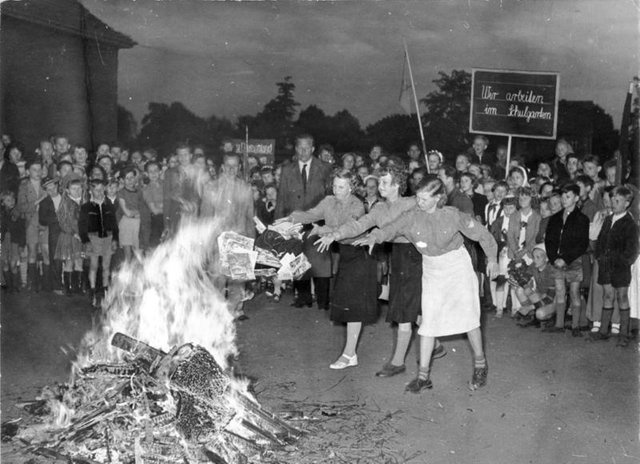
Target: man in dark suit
x,y
303,184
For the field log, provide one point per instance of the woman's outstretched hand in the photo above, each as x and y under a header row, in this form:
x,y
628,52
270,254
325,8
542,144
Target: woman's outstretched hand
x,y
323,243
368,240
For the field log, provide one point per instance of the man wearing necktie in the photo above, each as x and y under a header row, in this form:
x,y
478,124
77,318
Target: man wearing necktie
x,y
303,184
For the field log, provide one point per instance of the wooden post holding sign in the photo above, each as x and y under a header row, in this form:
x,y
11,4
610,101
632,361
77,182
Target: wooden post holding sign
x,y
515,104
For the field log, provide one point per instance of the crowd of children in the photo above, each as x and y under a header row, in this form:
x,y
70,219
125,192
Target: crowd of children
x,y
567,237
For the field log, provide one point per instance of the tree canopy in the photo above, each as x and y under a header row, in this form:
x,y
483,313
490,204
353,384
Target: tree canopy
x,y
445,120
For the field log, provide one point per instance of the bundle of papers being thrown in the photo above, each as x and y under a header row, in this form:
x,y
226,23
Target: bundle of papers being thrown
x,y
239,256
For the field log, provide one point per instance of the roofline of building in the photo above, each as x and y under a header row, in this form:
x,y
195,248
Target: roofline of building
x,y
108,37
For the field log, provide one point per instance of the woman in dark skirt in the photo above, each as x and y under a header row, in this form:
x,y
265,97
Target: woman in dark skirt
x,y
405,279
354,300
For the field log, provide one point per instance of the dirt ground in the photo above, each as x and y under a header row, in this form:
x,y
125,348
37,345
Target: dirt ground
x,y
550,398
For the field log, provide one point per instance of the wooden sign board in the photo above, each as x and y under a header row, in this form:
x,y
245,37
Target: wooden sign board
x,y
516,103
257,147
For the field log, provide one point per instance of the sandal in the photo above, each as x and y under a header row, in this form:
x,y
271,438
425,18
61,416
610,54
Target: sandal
x,y
345,361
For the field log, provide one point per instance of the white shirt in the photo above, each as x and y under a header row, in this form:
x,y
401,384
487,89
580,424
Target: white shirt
x,y
308,164
615,217
56,202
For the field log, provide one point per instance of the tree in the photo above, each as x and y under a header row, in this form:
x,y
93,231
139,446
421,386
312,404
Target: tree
x,y
276,120
393,133
164,126
446,119
342,130
127,127
345,133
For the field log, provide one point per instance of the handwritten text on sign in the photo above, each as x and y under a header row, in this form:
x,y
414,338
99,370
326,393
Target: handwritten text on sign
x,y
517,103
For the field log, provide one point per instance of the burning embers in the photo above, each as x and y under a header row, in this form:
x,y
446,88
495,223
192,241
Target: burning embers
x,y
156,407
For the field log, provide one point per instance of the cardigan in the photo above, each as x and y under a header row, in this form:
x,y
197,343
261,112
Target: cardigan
x,y
513,233
618,242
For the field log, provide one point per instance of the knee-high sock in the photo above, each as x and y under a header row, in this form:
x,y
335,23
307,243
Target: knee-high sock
x,y
605,320
624,321
561,308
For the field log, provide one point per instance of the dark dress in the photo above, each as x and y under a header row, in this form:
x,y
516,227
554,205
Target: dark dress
x,y
405,283
355,297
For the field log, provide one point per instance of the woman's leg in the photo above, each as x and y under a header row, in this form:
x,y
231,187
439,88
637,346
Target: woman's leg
x,y
480,369
353,333
348,357
422,381
403,339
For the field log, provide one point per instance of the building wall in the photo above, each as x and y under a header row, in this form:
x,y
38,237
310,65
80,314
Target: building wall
x,y
45,87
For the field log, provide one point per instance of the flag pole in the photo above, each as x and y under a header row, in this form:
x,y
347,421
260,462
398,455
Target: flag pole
x,y
415,99
245,155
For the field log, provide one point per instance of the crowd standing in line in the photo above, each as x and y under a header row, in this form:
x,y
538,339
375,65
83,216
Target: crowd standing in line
x,y
557,243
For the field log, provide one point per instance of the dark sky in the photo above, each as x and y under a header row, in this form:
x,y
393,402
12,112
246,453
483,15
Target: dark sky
x,y
224,58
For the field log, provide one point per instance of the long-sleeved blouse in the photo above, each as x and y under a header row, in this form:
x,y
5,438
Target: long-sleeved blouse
x,y
383,213
333,211
439,232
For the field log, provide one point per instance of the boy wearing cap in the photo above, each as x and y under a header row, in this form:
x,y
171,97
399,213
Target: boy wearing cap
x,y
566,240
98,231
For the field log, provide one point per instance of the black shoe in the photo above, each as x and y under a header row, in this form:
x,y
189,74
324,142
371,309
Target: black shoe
x,y
389,370
553,329
418,384
597,337
479,378
242,317
301,304
576,332
623,341
527,321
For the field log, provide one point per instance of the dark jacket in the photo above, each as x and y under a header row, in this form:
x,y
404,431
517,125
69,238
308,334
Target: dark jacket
x,y
95,218
47,217
293,195
567,240
488,158
620,242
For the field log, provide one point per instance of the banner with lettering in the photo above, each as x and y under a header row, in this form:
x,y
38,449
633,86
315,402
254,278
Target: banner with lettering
x,y
517,103
258,148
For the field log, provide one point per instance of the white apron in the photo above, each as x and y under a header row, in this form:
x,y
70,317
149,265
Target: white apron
x,y
450,301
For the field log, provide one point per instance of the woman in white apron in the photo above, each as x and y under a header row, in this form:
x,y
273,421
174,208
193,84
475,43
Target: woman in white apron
x,y
450,302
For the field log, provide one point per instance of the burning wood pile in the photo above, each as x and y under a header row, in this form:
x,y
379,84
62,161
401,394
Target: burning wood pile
x,y
155,407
